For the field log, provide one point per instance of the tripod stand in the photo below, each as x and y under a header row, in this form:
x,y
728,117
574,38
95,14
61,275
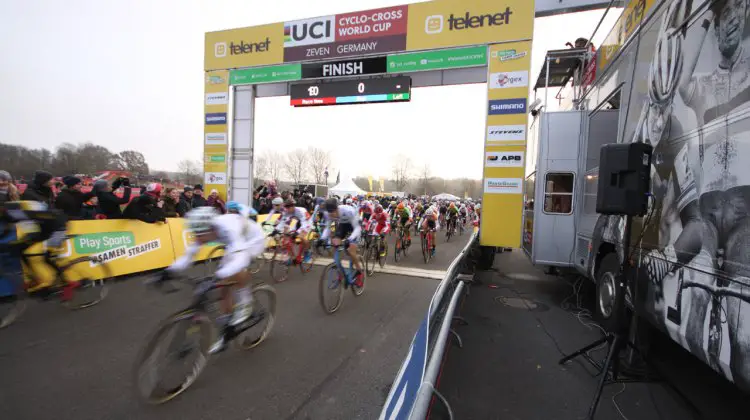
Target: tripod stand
x,y
616,340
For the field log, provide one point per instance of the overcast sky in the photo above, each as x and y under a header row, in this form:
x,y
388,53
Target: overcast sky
x,y
129,75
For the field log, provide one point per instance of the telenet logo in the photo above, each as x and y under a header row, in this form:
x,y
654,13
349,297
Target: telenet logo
x,y
436,23
220,49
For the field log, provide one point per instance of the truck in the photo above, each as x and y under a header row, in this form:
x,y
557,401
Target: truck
x,y
674,74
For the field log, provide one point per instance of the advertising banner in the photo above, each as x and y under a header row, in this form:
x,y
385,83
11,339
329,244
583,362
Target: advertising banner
x,y
215,147
271,74
625,26
438,60
505,144
421,26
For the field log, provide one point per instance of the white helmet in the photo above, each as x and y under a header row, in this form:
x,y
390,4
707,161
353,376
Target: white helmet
x,y
348,201
277,201
200,219
666,65
428,212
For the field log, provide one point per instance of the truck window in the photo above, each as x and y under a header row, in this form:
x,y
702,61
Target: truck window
x,y
558,193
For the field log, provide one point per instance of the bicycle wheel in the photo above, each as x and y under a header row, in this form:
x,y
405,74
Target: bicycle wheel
x,y
86,292
152,385
262,319
382,253
11,308
280,265
397,248
424,247
357,290
372,256
331,283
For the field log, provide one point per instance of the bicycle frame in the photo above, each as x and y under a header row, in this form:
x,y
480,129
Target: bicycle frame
x,y
340,266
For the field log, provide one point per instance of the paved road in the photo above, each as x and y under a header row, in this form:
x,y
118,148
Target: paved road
x,y
77,365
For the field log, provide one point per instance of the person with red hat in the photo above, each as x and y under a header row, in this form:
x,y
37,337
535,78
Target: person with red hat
x,y
147,207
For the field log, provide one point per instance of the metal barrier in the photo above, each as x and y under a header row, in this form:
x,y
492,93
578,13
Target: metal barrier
x,y
414,385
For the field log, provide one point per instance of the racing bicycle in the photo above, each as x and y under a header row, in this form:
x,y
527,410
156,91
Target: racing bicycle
x,y
426,245
336,278
190,332
288,252
402,245
376,252
78,283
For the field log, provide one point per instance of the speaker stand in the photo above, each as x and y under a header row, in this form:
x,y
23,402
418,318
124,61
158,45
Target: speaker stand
x,y
616,340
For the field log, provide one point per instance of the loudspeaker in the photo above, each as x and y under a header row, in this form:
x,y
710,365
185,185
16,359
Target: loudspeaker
x,y
624,179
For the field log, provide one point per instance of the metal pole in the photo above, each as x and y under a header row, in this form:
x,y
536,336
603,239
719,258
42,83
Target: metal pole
x,y
609,6
424,395
546,85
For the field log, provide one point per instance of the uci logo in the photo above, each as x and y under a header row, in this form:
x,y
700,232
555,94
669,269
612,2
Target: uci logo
x,y
309,31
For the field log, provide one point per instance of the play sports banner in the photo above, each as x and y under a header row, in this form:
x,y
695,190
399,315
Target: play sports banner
x,y
505,144
216,123
419,26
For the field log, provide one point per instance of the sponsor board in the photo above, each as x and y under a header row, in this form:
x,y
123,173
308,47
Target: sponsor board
x,y
125,252
217,98
215,158
244,47
216,138
504,159
269,74
506,133
216,118
215,80
313,31
93,243
508,55
509,79
503,186
439,59
507,106
217,178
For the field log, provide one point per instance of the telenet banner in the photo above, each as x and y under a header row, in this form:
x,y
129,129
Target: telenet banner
x,y
420,26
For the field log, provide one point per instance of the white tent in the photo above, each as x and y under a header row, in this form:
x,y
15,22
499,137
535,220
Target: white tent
x,y
346,186
445,196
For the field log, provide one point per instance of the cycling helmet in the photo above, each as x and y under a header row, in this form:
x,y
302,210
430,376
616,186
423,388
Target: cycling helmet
x,y
233,207
332,204
479,206
452,205
400,206
154,189
666,65
277,201
200,219
378,209
428,212
319,201
348,201
289,203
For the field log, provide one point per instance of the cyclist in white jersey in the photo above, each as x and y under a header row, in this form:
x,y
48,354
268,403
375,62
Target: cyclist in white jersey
x,y
302,227
243,239
347,228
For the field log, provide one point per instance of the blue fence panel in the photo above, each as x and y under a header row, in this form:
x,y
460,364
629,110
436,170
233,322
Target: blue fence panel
x,y
405,388
8,264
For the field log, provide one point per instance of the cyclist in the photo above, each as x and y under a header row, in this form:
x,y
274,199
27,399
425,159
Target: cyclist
x,y
302,227
404,218
463,213
347,229
277,204
366,210
451,216
430,225
381,222
38,224
443,209
235,207
243,239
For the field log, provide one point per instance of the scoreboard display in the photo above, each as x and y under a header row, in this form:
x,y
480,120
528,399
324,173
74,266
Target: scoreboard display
x,y
390,89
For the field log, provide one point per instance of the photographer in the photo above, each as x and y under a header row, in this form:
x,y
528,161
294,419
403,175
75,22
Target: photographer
x,y
109,203
71,198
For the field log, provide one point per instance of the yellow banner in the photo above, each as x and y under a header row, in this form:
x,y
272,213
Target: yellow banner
x,y
625,26
216,123
505,144
450,23
244,47
369,181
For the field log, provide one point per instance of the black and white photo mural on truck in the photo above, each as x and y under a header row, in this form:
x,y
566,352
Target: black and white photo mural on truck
x,y
690,99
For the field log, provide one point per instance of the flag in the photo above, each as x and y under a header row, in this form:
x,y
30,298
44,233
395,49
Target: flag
x,y
382,184
338,178
369,180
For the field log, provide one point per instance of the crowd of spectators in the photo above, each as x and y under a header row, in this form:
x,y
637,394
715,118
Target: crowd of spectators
x,y
107,200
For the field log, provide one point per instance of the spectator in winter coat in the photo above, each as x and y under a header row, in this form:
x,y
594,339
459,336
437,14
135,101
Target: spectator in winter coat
x,y
8,191
71,199
40,189
147,207
109,203
171,198
186,201
198,200
216,202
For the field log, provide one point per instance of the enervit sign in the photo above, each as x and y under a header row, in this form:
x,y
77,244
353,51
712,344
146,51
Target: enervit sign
x,y
216,138
503,186
509,79
218,98
504,159
507,106
506,133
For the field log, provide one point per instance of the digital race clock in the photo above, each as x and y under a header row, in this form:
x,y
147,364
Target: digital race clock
x,y
390,89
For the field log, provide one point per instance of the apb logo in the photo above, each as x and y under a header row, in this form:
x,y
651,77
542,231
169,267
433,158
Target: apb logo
x,y
507,106
504,159
310,31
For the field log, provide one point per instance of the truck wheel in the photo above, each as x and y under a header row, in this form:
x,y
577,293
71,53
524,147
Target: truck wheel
x,y
606,291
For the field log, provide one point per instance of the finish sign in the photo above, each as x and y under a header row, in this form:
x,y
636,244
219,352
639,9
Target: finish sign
x,y
374,65
391,89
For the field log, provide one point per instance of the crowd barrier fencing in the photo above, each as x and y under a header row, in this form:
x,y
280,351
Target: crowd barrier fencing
x,y
414,386
126,246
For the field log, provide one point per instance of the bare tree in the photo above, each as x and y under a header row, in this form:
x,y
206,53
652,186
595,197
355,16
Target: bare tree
x,y
401,169
319,161
261,168
295,165
275,164
425,175
190,171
